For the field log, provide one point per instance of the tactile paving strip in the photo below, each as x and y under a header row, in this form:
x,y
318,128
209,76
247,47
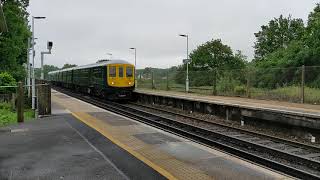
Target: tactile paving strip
x,y
136,140
182,170
155,138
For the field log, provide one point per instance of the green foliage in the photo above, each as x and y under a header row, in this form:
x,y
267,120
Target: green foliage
x,y
67,65
7,116
207,60
46,70
13,44
277,34
240,90
228,81
281,66
213,54
7,80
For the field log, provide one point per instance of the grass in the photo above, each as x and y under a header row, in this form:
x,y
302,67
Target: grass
x,y
289,93
8,116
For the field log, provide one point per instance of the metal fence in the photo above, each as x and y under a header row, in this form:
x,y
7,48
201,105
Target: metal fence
x,y
296,84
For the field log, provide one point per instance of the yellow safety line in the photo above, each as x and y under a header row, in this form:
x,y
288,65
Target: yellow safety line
x,y
93,123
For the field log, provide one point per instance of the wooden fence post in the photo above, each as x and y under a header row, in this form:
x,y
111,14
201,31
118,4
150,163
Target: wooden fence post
x,y
44,99
20,103
303,70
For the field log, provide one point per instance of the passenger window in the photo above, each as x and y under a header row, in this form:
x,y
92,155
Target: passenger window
x,y
112,71
129,71
120,71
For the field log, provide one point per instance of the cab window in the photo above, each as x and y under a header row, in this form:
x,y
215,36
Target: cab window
x,y
129,71
120,71
112,71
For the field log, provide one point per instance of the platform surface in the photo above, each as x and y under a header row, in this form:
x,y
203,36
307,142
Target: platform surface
x,y
50,149
256,104
171,156
62,147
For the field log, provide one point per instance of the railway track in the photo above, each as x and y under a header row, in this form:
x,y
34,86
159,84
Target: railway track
x,y
295,159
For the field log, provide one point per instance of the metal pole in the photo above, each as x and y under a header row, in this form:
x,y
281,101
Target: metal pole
x,y
33,78
135,57
135,66
28,67
187,79
42,73
302,83
42,59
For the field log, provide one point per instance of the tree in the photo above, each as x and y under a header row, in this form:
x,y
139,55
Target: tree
x,y
7,80
282,66
146,73
215,55
13,44
277,34
67,65
312,38
46,70
207,60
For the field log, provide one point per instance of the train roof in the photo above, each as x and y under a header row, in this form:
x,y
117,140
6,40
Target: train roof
x,y
103,63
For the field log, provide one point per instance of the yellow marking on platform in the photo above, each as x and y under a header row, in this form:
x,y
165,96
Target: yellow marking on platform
x,y
97,125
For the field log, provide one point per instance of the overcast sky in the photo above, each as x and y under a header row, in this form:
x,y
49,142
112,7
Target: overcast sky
x,y
84,31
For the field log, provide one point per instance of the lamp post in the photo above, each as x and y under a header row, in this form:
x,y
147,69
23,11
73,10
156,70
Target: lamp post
x,y
28,66
135,65
33,55
135,56
187,61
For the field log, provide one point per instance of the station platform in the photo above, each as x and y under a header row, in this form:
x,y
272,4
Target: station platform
x,y
302,115
81,141
294,108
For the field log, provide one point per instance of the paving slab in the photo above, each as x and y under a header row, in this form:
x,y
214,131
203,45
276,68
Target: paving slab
x,y
62,147
171,156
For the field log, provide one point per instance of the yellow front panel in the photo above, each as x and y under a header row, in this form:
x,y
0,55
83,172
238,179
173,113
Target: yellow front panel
x,y
117,80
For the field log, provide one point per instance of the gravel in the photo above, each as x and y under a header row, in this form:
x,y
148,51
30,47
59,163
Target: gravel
x,y
211,118
293,134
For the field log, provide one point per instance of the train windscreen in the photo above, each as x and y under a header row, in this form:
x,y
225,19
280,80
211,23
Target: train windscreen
x,y
129,71
112,71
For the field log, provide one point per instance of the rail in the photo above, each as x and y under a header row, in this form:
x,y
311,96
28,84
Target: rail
x,y
284,161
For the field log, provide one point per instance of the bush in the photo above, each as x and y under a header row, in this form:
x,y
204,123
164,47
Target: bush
x,y
6,79
240,90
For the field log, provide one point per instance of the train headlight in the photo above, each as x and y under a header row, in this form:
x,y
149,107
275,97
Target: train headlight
x,y
129,83
112,83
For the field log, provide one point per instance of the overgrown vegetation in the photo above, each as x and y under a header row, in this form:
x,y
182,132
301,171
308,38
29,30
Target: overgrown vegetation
x,y
7,80
286,43
9,116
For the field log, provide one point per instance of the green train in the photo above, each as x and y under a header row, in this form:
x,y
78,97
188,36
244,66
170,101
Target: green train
x,y
108,79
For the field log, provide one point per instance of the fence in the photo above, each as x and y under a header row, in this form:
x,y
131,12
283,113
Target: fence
x,y
296,84
15,103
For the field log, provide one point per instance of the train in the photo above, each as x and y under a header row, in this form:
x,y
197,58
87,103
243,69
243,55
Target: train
x,y
108,79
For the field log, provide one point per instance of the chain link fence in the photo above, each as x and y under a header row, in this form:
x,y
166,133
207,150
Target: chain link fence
x,y
296,84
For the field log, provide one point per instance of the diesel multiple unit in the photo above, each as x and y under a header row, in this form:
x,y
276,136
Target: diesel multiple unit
x,y
111,79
